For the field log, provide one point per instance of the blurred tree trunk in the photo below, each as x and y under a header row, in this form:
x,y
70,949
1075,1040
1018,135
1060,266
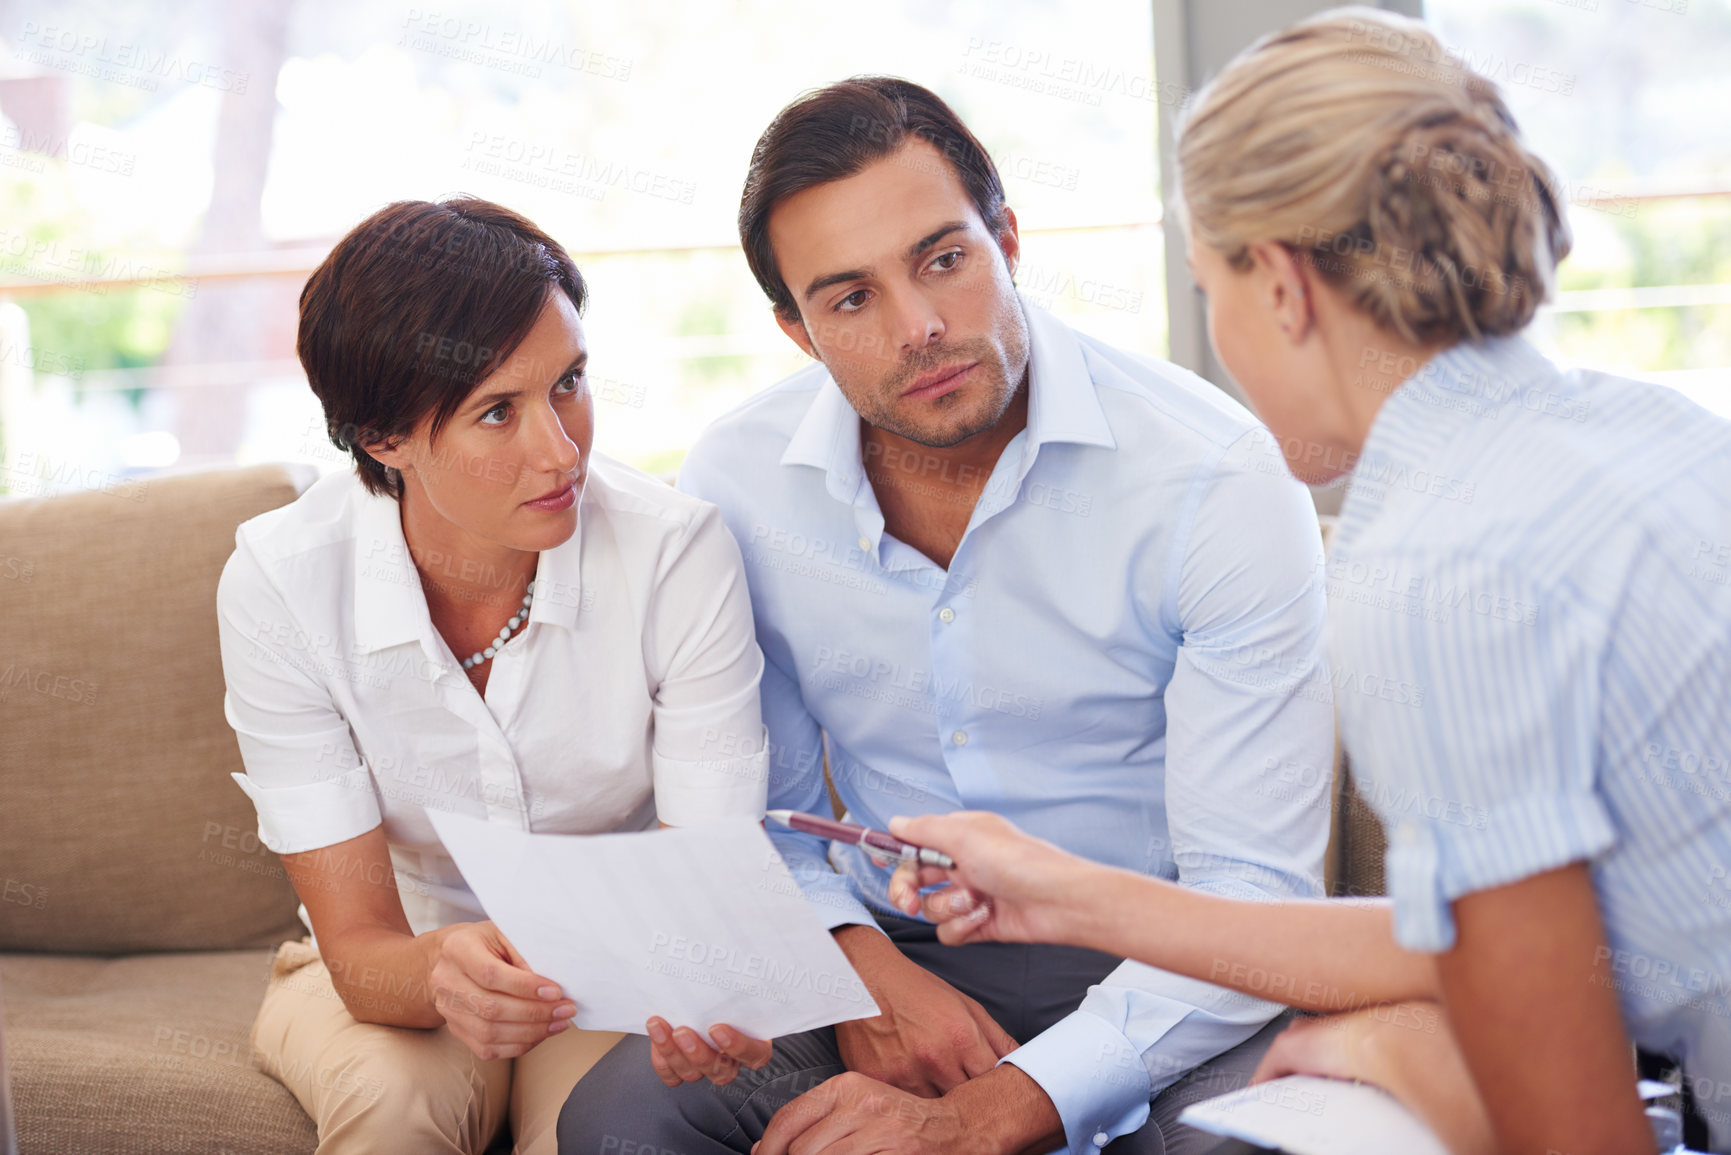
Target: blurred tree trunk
x,y
224,323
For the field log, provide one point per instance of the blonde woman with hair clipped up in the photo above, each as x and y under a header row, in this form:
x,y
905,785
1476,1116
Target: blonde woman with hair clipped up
x,y
1530,618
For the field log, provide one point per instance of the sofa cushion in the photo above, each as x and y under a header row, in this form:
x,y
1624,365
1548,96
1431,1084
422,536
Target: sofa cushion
x,y
143,1054
122,829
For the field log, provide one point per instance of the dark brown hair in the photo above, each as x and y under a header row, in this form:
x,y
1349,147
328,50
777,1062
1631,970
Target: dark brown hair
x,y
413,309
832,133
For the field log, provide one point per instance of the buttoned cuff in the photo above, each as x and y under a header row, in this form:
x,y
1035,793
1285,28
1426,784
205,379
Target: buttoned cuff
x,y
1431,864
690,793
292,819
1094,1076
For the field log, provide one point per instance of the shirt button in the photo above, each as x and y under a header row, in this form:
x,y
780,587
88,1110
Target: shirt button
x,y
946,614
1406,833
960,737
865,543
1101,1138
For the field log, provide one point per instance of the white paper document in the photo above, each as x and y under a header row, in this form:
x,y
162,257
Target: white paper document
x,y
1305,1115
700,925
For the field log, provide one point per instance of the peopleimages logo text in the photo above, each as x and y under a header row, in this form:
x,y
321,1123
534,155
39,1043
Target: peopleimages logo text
x,y
770,971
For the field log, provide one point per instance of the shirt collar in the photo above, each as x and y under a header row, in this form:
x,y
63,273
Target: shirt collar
x,y
559,572
1063,406
827,438
1486,372
1468,381
390,605
1063,401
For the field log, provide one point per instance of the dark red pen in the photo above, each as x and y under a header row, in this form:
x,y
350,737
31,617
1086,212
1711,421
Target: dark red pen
x,y
878,841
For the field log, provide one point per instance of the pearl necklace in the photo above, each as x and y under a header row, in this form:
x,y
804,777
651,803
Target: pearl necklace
x,y
517,619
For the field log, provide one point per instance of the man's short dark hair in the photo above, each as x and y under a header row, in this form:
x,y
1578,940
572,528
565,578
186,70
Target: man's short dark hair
x,y
833,133
413,309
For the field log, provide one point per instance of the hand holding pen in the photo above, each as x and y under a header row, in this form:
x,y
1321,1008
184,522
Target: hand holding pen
x,y
1005,885
1002,885
879,845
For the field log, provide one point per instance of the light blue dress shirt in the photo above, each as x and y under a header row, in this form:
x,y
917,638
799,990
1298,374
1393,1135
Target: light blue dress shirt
x,y
1543,559
1124,657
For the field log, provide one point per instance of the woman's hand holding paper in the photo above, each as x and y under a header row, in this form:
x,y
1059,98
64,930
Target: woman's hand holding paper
x,y
489,996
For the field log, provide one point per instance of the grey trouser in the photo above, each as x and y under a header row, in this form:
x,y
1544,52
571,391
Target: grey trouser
x,y
621,1105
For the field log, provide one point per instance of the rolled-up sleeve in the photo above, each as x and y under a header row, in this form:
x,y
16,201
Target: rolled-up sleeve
x,y
710,751
306,780
1487,772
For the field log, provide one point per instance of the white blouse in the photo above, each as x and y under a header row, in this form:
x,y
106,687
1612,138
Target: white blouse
x,y
630,694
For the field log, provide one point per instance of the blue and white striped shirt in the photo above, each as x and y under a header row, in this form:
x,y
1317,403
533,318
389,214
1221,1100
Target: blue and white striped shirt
x,y
1541,561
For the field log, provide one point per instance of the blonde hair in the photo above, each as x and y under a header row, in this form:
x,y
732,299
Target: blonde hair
x,y
1359,141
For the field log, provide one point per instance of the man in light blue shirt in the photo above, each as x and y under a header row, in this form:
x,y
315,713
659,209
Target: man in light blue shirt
x,y
1001,566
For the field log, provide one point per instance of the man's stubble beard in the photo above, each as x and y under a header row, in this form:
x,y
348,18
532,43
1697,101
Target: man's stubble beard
x,y
1013,324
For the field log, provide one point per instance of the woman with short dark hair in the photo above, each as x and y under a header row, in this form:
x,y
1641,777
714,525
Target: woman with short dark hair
x,y
484,617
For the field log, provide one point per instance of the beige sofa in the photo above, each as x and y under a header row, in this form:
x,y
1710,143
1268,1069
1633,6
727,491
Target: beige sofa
x,y
137,910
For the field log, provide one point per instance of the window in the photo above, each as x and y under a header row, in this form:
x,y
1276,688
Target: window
x,y
235,144
1626,100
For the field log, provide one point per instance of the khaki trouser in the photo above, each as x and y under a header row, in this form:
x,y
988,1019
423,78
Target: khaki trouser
x,y
373,1088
